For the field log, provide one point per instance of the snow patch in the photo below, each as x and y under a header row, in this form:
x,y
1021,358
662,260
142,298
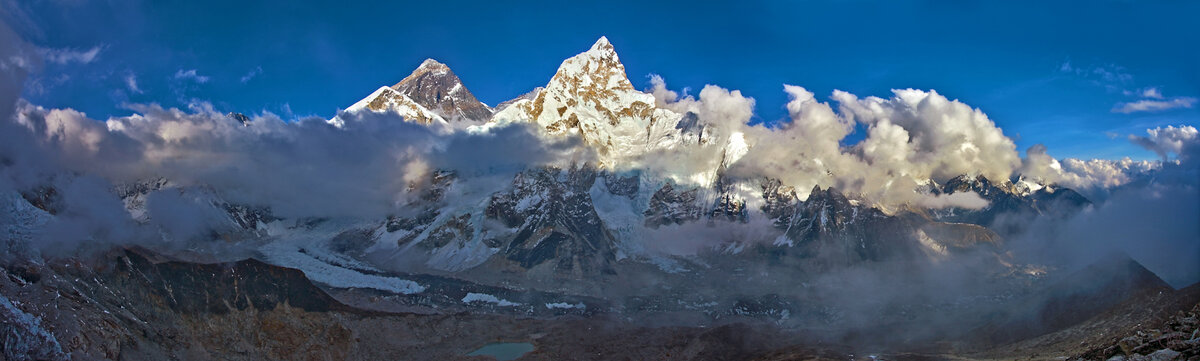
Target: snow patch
x,y
564,305
483,297
20,220
25,336
335,276
783,240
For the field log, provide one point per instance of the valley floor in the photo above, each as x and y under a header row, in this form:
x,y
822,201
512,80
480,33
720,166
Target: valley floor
x,y
133,306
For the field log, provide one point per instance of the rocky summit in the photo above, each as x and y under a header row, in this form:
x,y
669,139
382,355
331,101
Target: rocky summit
x,y
434,86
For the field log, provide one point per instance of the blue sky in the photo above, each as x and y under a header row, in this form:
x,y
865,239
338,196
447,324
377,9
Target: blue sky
x,y
1055,74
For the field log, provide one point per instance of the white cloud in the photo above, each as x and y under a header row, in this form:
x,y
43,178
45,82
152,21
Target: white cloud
x,y
911,137
67,56
1112,74
1152,220
716,122
1152,93
946,137
192,75
1116,80
967,200
251,75
1103,73
132,83
1147,105
1090,177
1168,140
285,165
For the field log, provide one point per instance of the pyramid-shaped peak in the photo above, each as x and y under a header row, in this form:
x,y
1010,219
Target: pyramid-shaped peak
x,y
429,67
599,64
431,64
602,44
433,86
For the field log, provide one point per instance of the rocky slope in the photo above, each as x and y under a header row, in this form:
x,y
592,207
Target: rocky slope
x,y
1009,204
136,305
434,86
432,94
591,97
1176,338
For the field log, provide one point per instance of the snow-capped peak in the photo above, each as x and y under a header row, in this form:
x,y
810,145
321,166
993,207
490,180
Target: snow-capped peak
x,y
1026,186
431,65
599,68
387,99
431,94
602,43
591,97
434,86
603,48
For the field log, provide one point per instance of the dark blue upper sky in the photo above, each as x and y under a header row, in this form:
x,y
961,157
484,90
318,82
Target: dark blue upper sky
x,y
1054,74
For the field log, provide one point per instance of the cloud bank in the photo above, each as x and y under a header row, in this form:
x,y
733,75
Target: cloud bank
x,y
912,137
1151,216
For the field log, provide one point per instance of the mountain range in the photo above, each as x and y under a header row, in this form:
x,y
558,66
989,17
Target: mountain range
x,y
581,218
603,236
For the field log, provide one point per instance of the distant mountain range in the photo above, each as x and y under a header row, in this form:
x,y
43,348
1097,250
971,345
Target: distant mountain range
x,y
604,217
600,235
553,227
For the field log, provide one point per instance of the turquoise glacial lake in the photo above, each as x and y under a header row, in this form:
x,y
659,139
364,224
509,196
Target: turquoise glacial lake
x,y
503,351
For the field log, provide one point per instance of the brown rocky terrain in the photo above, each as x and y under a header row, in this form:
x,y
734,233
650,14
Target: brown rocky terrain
x,y
434,86
136,305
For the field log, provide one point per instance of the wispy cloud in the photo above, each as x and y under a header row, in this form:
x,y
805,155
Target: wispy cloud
x,y
1115,79
1152,93
66,56
192,75
1152,105
132,83
1107,73
251,75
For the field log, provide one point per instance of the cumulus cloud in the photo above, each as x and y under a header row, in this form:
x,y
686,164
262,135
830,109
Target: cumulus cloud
x,y
299,169
1149,105
85,209
1168,140
1091,177
306,168
912,137
1151,216
948,137
190,74
802,152
713,128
